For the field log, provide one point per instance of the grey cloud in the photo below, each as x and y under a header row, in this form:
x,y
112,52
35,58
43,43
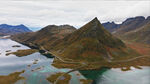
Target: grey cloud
x,y
42,13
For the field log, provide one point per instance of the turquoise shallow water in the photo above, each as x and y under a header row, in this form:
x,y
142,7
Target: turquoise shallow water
x,y
12,63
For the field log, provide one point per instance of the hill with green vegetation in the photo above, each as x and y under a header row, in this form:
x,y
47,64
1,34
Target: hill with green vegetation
x,y
92,43
46,36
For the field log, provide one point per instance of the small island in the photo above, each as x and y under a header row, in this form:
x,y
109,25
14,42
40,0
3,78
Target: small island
x,y
63,80
86,81
16,46
11,78
25,52
8,50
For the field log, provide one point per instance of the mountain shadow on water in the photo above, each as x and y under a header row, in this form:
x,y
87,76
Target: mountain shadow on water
x,y
94,74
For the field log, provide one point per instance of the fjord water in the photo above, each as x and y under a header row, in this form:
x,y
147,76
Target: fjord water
x,y
12,63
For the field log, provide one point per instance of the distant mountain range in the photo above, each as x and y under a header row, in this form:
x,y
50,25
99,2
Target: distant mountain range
x,y
134,29
127,25
10,30
111,26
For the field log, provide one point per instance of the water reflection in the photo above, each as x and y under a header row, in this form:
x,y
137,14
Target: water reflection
x,y
93,74
116,76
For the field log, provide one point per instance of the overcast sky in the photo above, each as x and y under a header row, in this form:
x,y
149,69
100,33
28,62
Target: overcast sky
x,y
40,13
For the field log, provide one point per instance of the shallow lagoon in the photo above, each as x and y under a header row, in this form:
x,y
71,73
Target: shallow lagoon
x,y
12,63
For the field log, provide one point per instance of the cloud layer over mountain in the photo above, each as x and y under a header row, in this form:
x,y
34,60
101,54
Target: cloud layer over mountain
x,y
42,13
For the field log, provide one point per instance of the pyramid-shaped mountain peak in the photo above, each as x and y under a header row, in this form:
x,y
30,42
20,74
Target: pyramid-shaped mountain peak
x,y
95,22
95,19
93,29
91,40
93,25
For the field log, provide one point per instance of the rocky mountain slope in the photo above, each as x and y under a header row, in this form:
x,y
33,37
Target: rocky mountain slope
x,y
91,43
135,29
91,40
10,30
131,24
126,26
141,34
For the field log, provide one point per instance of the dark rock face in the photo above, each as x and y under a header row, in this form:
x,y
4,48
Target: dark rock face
x,y
10,30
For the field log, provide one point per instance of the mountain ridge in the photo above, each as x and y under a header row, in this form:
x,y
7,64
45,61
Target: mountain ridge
x,y
6,29
46,35
111,26
127,25
140,35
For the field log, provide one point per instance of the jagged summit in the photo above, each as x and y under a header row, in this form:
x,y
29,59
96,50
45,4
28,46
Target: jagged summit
x,y
95,19
111,26
95,22
92,26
